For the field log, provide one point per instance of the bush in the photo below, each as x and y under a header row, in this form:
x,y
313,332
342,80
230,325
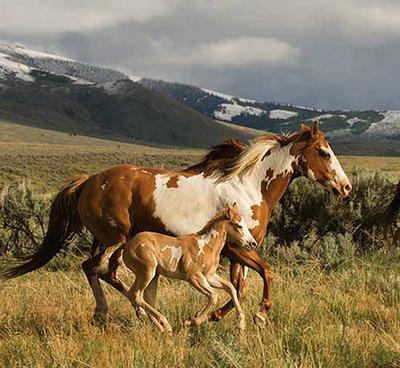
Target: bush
x,y
307,224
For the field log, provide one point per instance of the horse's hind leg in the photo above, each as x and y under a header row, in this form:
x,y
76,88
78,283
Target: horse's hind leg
x,y
94,282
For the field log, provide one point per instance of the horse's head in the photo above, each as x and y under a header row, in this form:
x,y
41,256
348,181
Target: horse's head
x,y
318,162
238,232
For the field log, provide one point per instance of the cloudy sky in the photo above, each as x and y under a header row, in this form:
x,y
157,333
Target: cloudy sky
x,y
322,53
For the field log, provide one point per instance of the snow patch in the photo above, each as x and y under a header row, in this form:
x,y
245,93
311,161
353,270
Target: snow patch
x,y
228,111
282,114
355,120
322,117
9,67
227,97
389,125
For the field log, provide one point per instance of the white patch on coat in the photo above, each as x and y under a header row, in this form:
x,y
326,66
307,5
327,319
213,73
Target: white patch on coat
x,y
311,175
144,171
205,239
176,254
280,162
247,237
103,186
122,177
197,199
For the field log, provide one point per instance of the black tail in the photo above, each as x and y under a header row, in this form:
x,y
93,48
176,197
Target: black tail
x,y
64,224
394,207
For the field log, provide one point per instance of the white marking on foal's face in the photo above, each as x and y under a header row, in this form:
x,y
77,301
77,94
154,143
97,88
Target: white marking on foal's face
x,y
103,186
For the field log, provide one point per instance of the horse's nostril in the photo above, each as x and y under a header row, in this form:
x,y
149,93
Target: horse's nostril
x,y
347,187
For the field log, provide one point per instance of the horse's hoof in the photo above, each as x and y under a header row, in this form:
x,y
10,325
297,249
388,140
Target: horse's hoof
x,y
215,317
260,320
187,323
99,319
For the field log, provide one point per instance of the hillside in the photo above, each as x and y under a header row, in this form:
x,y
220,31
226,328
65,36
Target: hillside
x,y
52,92
352,132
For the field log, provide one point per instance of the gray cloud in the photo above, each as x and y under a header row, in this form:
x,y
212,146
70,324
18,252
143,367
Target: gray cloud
x,y
342,54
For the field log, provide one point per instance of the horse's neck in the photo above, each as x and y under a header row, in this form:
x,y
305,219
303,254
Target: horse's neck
x,y
215,236
273,174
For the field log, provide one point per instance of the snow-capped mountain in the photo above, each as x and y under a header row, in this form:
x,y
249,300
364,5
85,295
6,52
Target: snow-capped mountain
x,y
28,66
52,92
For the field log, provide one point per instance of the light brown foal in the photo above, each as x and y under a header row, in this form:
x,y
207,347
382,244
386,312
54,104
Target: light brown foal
x,y
193,258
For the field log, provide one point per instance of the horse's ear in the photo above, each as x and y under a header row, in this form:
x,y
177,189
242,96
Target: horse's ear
x,y
304,127
234,205
314,128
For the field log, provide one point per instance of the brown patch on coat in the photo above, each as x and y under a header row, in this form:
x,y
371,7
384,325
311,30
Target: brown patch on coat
x,y
173,182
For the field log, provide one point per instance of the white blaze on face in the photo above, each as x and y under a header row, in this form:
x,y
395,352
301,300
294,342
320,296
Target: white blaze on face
x,y
340,176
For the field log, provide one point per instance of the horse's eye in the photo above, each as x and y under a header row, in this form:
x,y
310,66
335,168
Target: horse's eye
x,y
239,226
324,154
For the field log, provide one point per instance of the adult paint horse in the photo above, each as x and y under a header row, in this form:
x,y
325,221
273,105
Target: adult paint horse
x,y
124,200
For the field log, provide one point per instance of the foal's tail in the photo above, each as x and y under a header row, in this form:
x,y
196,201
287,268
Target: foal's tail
x,y
64,224
394,207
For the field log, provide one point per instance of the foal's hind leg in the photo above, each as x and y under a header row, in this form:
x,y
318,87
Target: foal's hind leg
x,y
142,280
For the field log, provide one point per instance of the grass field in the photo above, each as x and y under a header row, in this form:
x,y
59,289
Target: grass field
x,y
46,158
344,318
347,318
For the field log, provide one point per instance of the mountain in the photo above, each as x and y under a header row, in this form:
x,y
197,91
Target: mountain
x,y
53,92
351,132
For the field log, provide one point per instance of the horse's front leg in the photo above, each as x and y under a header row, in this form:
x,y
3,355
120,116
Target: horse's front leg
x,y
253,260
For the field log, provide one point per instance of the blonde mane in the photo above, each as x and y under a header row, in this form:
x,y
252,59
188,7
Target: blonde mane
x,y
245,162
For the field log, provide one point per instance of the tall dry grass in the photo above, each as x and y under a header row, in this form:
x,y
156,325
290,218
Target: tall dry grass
x,y
346,318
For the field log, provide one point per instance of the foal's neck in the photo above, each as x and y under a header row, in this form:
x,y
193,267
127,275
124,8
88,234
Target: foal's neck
x,y
214,233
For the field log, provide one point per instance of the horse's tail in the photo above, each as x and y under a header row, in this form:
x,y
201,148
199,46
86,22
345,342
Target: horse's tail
x,y
393,207
64,224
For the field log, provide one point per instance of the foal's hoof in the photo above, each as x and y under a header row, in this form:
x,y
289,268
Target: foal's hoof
x,y
188,323
260,320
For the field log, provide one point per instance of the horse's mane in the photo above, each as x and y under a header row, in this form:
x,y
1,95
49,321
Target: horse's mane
x,y
217,157
233,157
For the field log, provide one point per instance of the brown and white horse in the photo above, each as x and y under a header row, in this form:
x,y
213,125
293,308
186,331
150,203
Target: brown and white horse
x,y
124,200
193,258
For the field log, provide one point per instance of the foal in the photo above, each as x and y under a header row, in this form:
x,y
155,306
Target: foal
x,y
193,258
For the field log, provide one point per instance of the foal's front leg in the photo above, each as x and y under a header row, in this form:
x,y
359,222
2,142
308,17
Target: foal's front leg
x,y
218,282
201,284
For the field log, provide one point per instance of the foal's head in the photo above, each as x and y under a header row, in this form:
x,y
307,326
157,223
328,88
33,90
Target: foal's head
x,y
238,232
318,162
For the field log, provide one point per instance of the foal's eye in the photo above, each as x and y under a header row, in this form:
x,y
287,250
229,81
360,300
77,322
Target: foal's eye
x,y
239,226
325,155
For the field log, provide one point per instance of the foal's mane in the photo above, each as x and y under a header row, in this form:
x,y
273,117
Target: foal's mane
x,y
233,157
220,216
